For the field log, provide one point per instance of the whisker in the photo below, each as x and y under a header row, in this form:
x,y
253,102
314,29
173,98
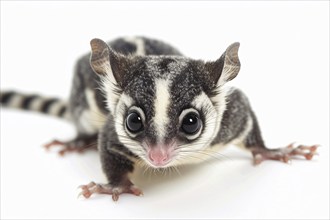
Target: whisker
x,y
177,170
91,145
214,155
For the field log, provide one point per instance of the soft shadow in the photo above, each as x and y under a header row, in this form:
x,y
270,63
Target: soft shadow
x,y
149,178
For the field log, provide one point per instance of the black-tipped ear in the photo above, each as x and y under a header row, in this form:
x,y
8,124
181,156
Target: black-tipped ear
x,y
105,61
226,67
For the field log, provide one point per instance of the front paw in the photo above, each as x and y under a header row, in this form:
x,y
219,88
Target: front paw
x,y
115,191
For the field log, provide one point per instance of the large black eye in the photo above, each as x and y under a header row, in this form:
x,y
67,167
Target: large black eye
x,y
134,122
191,123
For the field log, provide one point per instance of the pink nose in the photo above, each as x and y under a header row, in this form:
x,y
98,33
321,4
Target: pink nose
x,y
158,157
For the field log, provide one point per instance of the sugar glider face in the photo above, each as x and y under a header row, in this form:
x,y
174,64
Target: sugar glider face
x,y
167,109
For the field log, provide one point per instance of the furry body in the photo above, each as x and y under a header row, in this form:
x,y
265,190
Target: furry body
x,y
145,103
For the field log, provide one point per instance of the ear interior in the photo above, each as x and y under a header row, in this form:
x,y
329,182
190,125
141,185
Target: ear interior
x,y
100,60
106,61
109,65
232,64
226,67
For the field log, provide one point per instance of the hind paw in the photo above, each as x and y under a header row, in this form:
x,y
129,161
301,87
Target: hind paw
x,y
284,154
79,144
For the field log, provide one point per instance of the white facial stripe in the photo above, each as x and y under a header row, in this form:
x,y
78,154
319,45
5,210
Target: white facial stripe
x,y
202,101
109,87
162,102
211,128
139,43
120,112
124,102
221,104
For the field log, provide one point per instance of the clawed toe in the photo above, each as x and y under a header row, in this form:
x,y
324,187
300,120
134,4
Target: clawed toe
x,y
53,143
93,188
303,150
79,145
284,154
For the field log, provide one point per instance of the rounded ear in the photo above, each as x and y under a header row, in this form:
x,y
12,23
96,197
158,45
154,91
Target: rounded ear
x,y
105,61
226,67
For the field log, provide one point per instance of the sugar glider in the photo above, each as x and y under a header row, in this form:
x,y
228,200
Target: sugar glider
x,y
141,102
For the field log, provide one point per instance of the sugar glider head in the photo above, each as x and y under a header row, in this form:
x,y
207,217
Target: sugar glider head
x,y
167,109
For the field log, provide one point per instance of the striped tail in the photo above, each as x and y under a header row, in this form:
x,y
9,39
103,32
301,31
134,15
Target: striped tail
x,y
49,106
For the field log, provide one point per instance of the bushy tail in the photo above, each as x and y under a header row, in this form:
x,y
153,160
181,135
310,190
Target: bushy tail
x,y
49,106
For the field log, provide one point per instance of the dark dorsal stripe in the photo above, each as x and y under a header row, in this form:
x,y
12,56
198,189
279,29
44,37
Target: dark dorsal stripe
x,y
28,100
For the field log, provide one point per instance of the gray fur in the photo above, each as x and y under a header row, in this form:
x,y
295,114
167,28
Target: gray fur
x,y
135,76
235,117
187,79
85,77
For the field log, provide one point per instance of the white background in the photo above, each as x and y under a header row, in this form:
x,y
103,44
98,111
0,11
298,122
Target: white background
x,y
285,72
